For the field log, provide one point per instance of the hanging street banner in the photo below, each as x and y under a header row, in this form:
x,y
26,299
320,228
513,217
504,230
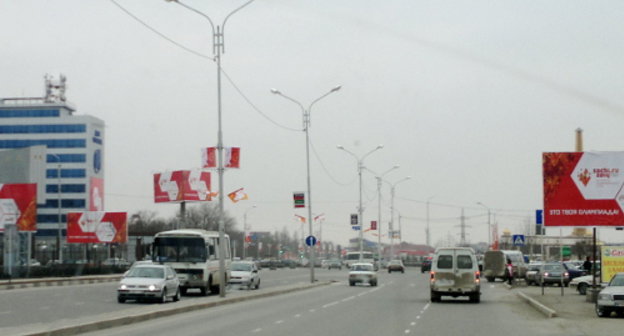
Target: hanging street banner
x,y
231,157
583,189
182,185
18,206
97,227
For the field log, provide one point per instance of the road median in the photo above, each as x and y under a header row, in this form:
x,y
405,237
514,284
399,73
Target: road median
x,y
130,316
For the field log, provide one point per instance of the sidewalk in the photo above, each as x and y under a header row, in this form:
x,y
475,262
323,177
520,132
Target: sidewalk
x,y
571,305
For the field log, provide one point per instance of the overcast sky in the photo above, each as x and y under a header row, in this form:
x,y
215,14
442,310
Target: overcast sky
x,y
464,95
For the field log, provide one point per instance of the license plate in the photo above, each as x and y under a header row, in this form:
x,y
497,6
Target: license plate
x,y
136,292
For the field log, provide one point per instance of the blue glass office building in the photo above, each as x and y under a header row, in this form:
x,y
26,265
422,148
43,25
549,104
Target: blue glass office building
x,y
74,171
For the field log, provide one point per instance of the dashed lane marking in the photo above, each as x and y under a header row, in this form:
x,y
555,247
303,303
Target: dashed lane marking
x,y
331,304
256,330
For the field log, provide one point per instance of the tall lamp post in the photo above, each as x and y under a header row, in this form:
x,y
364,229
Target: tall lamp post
x,y
392,213
59,238
428,233
245,230
306,126
379,180
360,166
489,225
218,47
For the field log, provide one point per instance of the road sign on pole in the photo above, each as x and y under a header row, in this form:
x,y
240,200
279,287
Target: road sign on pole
x,y
310,240
518,240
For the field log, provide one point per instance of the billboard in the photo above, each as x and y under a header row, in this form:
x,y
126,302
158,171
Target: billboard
x,y
612,261
97,227
182,185
583,189
18,206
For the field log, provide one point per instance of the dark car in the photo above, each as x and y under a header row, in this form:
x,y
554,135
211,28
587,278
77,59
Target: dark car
x,y
553,273
396,266
426,265
573,270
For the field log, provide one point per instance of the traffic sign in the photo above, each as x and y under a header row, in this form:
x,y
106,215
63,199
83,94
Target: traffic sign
x,y
355,227
354,219
518,240
310,240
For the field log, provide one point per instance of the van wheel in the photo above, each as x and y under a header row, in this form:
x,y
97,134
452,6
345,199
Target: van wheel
x,y
435,297
214,289
183,290
476,298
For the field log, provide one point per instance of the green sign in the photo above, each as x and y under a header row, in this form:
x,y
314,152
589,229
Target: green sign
x,y
566,251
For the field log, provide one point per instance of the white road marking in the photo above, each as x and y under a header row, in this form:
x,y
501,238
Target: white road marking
x,y
79,303
256,330
418,317
347,299
279,322
44,307
331,304
407,331
312,310
6,312
363,293
426,306
413,323
298,316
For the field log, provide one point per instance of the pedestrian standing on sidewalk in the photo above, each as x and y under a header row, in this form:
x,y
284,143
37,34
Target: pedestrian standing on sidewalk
x,y
510,274
587,265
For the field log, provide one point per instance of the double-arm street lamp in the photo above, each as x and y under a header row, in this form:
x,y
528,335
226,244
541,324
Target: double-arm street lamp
x,y
306,126
218,47
392,187
360,167
59,238
379,178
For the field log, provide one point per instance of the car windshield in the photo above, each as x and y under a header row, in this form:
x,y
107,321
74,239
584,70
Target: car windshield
x,y
241,267
552,267
362,268
617,280
146,272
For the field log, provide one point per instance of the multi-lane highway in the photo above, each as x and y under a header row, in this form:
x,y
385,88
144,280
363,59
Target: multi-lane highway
x,y
399,305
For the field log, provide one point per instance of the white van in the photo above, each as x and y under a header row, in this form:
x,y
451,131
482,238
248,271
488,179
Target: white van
x,y
494,264
455,272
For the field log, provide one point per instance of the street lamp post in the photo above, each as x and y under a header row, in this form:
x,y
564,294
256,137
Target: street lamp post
x,y
428,233
306,126
59,237
392,213
379,179
489,225
218,47
360,166
245,231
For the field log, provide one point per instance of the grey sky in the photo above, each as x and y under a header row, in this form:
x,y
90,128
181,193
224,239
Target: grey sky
x,y
464,95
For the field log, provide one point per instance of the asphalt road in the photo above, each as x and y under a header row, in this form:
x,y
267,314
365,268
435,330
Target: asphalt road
x,y
47,304
398,306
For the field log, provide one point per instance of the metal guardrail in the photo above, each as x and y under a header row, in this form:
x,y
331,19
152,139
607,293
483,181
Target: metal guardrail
x,y
59,281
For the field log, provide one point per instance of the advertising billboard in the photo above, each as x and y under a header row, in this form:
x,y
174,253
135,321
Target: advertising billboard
x,y
612,261
18,206
182,185
97,227
583,188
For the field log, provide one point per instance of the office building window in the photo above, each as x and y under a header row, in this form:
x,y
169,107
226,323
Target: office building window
x,y
29,113
66,188
53,143
55,158
66,173
36,129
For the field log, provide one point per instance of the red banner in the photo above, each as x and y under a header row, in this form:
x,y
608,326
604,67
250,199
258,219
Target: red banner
x,y
18,205
96,194
182,185
97,227
583,189
231,157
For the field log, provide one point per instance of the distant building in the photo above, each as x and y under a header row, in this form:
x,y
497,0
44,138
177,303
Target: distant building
x,y
73,149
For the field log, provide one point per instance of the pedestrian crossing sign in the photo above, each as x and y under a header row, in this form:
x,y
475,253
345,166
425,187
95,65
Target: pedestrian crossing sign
x,y
518,240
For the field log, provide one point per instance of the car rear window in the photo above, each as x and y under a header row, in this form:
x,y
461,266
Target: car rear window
x,y
464,262
445,261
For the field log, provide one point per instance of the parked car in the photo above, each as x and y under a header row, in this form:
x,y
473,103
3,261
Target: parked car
x,y
455,272
426,265
553,273
611,298
396,265
532,272
362,273
245,274
149,282
334,263
583,282
116,262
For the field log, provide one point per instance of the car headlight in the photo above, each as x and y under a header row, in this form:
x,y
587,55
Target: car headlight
x,y
123,287
153,287
604,297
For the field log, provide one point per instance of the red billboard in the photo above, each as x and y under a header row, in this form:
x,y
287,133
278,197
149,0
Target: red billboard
x,y
18,205
182,185
583,189
97,227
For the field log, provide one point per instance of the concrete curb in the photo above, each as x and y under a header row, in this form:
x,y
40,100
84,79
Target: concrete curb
x,y
165,311
47,282
548,312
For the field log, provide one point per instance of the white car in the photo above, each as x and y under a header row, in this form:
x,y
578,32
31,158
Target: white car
x,y
583,282
245,274
149,282
362,273
611,298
